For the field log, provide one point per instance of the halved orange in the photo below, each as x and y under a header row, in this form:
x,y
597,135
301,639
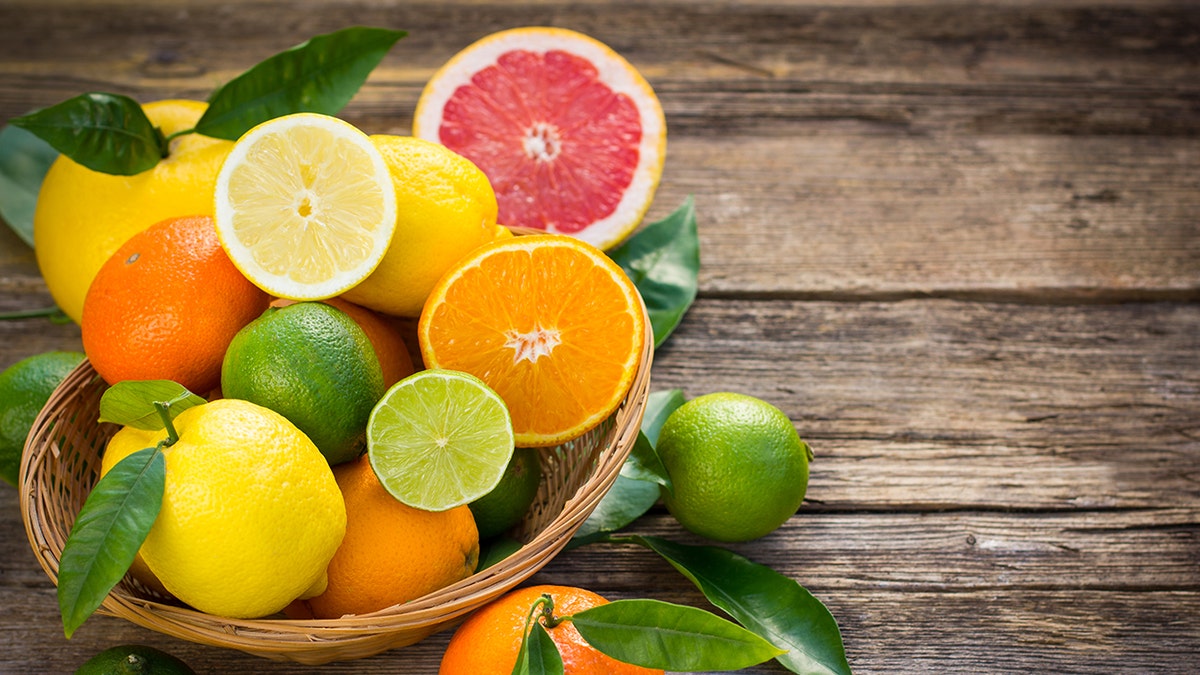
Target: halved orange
x,y
549,322
569,133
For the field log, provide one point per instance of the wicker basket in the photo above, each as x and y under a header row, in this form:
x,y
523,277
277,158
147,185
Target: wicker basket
x,y
61,464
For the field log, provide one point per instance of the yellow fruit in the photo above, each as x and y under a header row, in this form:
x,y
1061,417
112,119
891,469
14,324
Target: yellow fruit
x,y
304,206
739,469
83,216
445,207
251,513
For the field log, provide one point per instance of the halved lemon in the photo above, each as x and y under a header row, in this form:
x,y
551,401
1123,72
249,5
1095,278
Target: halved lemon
x,y
305,206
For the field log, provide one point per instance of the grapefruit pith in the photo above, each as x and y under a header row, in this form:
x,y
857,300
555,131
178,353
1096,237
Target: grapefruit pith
x,y
570,135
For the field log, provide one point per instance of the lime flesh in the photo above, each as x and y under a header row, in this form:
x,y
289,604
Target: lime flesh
x,y
439,439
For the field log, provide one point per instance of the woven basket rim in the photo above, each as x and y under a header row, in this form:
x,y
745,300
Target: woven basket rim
x,y
315,641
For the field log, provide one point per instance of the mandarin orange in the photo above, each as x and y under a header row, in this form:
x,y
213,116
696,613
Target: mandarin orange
x,y
392,553
547,321
488,642
166,305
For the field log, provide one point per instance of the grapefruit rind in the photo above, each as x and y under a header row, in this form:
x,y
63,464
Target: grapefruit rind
x,y
614,71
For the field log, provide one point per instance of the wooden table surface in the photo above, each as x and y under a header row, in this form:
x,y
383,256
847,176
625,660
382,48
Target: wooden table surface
x,y
958,244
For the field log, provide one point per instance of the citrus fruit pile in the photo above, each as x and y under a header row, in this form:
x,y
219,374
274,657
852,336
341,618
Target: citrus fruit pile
x,y
290,277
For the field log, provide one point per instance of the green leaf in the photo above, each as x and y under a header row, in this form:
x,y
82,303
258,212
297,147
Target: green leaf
x,y
496,550
320,75
656,634
24,161
538,655
131,402
663,260
659,406
109,133
106,536
643,463
625,502
636,489
765,601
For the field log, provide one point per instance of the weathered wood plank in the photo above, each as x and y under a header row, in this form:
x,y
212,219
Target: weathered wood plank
x,y
946,151
1029,218
942,404
1023,594
934,405
886,632
931,552
1125,43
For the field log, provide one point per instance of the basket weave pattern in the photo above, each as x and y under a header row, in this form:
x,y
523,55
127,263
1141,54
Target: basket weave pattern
x,y
61,463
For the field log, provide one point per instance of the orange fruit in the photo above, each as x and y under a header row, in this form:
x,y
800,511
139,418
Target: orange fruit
x,y
547,321
488,642
571,136
384,333
83,216
392,553
166,305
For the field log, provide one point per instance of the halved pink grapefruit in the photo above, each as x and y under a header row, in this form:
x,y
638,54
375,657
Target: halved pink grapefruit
x,y
570,135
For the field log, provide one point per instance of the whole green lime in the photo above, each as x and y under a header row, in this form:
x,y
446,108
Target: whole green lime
x,y
134,660
25,386
312,364
507,503
738,468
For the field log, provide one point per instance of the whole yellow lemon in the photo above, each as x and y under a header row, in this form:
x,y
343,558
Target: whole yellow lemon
x,y
445,207
83,216
251,514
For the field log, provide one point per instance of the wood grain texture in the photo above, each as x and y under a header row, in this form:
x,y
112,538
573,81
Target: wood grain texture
x,y
938,150
957,243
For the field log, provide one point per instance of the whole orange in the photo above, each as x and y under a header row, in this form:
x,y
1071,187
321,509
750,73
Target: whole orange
x,y
392,553
384,333
488,642
83,215
166,305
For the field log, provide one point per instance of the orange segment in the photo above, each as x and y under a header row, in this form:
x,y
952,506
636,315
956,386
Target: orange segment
x,y
548,322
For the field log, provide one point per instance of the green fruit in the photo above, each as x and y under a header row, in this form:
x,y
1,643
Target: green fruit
x,y
312,364
134,660
738,467
25,386
507,503
439,439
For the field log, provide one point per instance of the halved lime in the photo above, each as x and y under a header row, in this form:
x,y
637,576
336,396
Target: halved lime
x,y
439,439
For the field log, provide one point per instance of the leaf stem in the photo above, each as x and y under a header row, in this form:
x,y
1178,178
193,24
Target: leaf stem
x,y
30,313
544,606
166,142
164,412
